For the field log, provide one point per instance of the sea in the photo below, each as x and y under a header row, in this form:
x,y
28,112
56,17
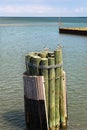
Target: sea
x,y
20,35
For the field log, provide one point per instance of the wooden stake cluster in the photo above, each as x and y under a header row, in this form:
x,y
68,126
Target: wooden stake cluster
x,y
49,94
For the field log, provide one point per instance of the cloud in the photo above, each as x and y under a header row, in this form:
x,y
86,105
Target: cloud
x,y
81,10
16,10
31,10
41,10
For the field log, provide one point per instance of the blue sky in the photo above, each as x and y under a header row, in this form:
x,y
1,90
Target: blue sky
x,y
43,8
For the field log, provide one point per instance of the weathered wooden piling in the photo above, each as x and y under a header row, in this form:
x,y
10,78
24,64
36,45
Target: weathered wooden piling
x,y
58,61
35,106
27,60
43,54
45,91
35,61
51,77
63,102
44,72
50,54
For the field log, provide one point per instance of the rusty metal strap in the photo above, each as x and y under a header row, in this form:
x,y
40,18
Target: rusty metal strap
x,y
44,66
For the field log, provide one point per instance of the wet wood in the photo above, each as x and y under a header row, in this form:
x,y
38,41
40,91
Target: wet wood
x,y
35,105
51,77
63,101
58,60
44,72
35,61
45,91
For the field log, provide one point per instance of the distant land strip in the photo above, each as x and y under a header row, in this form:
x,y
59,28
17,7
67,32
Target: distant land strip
x,y
30,24
76,31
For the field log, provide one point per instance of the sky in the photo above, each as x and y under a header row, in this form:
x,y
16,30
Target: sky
x,y
44,8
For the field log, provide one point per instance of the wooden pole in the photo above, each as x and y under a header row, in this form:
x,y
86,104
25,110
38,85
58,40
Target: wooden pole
x,y
65,94
42,102
27,61
35,107
51,76
58,60
48,65
63,101
43,54
35,61
50,54
44,72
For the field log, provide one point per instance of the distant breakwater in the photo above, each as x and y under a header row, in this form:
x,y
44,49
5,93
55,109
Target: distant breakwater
x,y
76,31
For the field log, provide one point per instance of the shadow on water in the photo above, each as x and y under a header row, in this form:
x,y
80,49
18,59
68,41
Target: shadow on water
x,y
16,119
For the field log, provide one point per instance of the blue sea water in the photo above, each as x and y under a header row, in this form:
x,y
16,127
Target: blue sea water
x,y
20,35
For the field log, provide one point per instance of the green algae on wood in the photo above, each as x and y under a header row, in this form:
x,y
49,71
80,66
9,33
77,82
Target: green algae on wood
x,y
58,60
51,76
44,72
63,104
34,63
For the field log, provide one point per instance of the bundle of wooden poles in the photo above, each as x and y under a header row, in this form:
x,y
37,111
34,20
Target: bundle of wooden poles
x,y
45,107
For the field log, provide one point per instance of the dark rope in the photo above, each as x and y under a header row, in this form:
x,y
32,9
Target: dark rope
x,y
44,66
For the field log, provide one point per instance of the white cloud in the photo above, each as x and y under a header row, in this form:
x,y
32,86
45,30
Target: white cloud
x,y
40,10
81,10
22,9
30,10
